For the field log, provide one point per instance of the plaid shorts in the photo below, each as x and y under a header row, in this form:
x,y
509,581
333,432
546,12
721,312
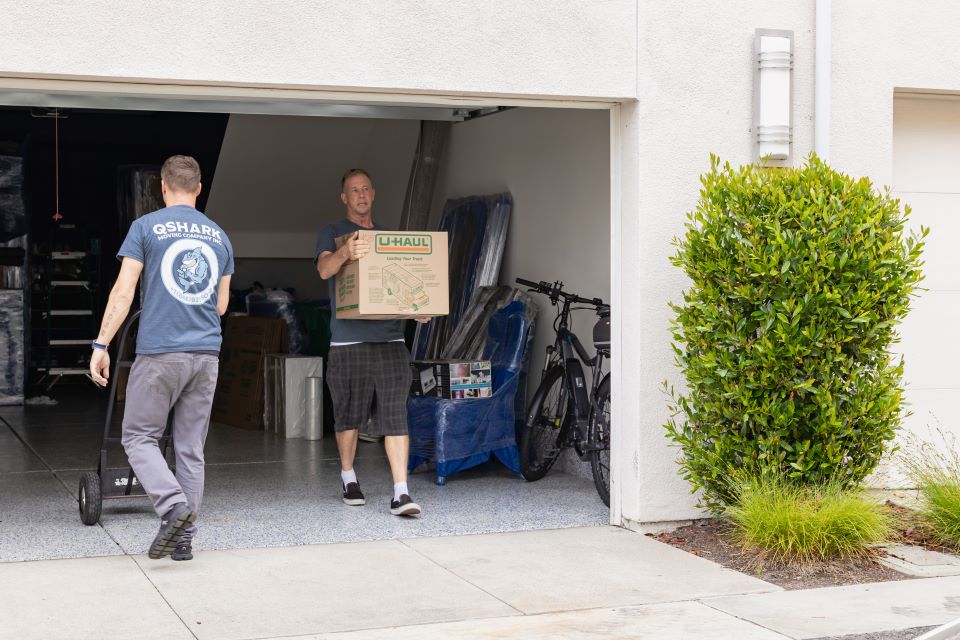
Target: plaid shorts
x,y
370,379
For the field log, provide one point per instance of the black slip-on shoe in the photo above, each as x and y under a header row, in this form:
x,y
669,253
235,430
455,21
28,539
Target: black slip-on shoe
x,y
172,527
353,496
405,506
184,551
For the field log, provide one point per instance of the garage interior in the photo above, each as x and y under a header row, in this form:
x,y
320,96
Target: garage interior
x,y
271,180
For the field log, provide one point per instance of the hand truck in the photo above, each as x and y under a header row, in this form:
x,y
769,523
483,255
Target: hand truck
x,y
113,484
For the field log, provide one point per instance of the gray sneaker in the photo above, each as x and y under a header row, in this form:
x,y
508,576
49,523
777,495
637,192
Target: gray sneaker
x,y
172,527
184,550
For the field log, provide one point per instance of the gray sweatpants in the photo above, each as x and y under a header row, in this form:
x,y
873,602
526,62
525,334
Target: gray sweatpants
x,y
184,382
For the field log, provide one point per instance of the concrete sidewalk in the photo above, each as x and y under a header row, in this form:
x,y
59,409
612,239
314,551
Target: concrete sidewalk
x,y
596,582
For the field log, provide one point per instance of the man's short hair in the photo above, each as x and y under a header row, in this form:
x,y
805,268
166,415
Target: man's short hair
x,y
181,173
353,172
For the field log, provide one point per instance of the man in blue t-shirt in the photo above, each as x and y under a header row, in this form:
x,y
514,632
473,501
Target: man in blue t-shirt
x,y
185,261
368,365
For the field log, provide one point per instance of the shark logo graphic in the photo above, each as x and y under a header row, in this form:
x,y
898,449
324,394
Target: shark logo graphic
x,y
190,271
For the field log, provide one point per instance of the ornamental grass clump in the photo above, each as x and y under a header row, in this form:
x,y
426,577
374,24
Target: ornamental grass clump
x,y
934,468
785,522
798,280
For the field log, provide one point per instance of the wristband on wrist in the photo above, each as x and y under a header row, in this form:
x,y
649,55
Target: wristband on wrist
x,y
100,347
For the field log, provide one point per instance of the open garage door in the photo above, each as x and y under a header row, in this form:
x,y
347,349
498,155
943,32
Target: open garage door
x,y
275,180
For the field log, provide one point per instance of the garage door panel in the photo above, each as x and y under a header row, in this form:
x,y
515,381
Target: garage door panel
x,y
926,144
926,175
931,341
941,213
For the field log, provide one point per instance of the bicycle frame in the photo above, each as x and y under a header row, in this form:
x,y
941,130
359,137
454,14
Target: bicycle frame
x,y
569,352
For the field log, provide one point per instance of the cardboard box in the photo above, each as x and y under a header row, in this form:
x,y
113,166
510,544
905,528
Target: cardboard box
x,y
238,400
452,379
249,333
405,275
424,379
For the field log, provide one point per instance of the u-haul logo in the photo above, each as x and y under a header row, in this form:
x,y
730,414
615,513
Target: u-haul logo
x,y
403,243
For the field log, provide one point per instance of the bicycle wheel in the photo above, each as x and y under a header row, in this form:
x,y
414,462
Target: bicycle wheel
x,y
546,426
600,434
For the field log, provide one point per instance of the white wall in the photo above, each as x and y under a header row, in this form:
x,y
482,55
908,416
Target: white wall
x,y
556,164
278,177
695,97
540,47
880,50
879,47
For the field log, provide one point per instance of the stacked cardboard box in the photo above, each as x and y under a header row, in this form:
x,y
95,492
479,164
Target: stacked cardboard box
x,y
240,387
452,379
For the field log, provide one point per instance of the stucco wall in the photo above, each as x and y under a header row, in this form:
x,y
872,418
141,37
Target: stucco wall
x,y
695,97
882,49
880,46
549,48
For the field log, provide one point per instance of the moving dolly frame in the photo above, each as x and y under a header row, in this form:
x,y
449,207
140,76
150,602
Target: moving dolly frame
x,y
104,483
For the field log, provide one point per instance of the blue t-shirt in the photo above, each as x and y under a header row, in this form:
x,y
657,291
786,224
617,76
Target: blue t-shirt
x,y
353,330
184,255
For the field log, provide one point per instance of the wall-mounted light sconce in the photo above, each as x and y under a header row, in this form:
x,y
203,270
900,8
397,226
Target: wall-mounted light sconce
x,y
773,94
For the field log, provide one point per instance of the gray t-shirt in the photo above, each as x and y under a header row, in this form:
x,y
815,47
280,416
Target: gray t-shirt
x,y
184,255
353,330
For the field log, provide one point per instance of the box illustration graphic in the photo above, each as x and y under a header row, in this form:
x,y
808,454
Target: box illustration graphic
x,y
405,275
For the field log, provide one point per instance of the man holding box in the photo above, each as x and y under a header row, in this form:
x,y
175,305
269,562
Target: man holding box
x,y
368,365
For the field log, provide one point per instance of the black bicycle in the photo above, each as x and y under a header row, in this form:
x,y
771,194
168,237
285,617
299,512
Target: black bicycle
x,y
564,412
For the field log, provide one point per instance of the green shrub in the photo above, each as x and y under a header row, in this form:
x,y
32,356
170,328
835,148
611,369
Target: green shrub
x,y
787,522
935,470
798,279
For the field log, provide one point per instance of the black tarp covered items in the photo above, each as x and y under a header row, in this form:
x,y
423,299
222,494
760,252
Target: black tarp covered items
x,y
11,347
138,192
13,215
477,230
13,261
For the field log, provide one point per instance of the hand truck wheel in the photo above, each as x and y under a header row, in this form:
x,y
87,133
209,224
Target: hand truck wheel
x,y
90,498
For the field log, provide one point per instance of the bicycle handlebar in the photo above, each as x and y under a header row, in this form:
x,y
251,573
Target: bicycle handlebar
x,y
555,292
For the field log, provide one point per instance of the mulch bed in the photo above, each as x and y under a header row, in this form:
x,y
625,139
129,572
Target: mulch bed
x,y
910,531
711,539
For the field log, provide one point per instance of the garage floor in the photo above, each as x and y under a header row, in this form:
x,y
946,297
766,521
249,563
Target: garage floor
x,y
261,491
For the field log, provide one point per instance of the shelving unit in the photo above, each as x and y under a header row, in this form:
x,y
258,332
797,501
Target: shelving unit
x,y
66,302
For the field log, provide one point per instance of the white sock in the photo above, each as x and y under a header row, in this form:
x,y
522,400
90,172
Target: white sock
x,y
348,476
400,488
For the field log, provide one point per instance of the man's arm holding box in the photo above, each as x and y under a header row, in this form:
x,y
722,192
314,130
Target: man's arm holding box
x,y
329,263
